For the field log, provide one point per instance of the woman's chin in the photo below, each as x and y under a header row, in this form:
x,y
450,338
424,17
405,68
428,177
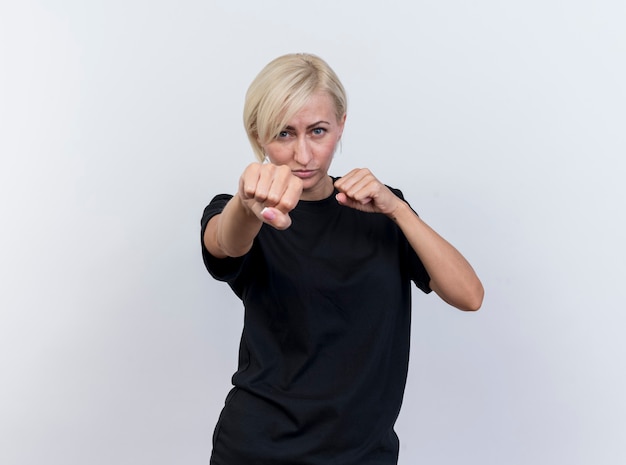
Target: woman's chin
x,y
317,188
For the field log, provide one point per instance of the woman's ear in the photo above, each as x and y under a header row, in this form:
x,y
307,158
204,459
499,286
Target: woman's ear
x,y
342,122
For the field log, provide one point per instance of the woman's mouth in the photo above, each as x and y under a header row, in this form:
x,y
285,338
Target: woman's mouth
x,y
304,174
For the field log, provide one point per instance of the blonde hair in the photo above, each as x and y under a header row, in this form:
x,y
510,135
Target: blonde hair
x,y
281,89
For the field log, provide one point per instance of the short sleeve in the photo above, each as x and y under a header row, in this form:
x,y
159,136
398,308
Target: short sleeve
x,y
222,269
417,271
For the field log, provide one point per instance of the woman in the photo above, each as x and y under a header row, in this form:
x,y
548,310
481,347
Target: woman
x,y
323,266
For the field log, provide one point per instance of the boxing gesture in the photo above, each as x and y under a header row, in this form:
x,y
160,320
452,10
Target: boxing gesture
x,y
270,192
452,277
266,194
361,190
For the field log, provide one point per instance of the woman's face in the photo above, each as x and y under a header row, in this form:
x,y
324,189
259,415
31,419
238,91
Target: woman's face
x,y
307,145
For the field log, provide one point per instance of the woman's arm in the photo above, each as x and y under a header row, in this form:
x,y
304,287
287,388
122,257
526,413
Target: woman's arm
x,y
231,233
267,193
452,277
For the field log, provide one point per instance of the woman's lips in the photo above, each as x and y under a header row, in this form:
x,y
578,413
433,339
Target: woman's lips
x,y
304,174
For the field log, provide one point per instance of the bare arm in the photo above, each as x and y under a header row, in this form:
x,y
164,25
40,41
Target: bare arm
x,y
452,277
267,193
231,233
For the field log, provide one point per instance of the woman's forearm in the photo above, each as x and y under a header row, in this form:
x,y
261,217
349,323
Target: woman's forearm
x,y
232,232
452,277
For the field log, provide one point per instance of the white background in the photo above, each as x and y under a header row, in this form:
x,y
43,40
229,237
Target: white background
x,y
503,122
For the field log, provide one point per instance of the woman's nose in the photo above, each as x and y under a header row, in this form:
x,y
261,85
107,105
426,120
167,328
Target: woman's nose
x,y
302,151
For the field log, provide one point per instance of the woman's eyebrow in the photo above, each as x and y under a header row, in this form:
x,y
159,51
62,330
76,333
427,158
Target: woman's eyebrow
x,y
291,128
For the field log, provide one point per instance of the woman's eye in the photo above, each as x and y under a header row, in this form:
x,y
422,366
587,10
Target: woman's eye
x,y
283,134
319,131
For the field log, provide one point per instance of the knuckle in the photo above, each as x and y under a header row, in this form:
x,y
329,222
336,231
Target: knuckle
x,y
288,203
273,198
248,190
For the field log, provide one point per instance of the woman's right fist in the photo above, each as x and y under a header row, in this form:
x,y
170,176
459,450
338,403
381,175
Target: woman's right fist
x,y
270,192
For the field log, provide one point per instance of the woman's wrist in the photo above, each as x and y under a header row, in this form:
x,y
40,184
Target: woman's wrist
x,y
400,212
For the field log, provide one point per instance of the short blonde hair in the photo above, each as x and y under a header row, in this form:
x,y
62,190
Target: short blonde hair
x,y
281,89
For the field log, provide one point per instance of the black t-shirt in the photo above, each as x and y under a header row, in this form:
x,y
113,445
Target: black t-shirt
x,y
324,351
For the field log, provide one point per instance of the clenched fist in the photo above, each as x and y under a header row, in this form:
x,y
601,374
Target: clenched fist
x,y
361,190
270,192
